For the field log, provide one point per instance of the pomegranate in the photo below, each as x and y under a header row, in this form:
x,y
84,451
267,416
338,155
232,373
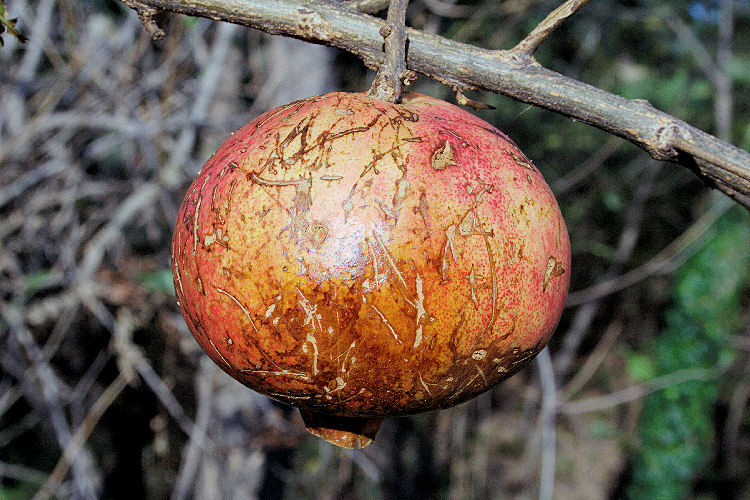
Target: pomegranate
x,y
359,259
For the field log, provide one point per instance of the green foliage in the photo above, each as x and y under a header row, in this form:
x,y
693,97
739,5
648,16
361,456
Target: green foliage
x,y
158,281
19,492
8,24
676,428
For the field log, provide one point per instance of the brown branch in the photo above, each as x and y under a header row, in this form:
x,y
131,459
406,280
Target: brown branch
x,y
505,72
389,81
528,45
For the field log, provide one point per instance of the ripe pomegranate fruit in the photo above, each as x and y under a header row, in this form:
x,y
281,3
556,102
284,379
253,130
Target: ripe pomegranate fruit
x,y
359,259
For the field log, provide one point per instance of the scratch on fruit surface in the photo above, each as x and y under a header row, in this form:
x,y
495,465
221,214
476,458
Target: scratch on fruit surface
x,y
420,311
252,339
219,353
448,249
343,368
519,159
195,224
314,343
311,311
393,265
245,311
424,384
385,320
472,277
287,373
554,269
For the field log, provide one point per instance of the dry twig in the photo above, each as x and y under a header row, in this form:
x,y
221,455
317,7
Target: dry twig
x,y
389,80
528,45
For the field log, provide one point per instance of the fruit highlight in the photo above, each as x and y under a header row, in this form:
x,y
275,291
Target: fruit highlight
x,y
360,259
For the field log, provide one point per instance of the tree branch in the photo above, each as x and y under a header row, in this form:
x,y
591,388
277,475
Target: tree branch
x,y
510,73
389,81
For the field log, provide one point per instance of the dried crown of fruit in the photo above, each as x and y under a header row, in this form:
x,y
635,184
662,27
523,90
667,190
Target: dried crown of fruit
x,y
360,259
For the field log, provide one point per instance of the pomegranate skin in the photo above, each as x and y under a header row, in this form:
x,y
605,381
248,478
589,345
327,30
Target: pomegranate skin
x,y
358,258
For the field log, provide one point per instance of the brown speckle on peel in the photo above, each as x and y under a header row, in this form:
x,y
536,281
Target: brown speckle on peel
x,y
359,259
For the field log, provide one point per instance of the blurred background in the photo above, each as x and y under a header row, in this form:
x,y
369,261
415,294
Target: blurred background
x,y
643,392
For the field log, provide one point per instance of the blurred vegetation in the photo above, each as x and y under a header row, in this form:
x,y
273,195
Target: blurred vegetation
x,y
677,424
92,114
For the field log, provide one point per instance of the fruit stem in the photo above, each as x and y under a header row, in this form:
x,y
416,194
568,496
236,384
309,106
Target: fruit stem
x,y
389,80
346,432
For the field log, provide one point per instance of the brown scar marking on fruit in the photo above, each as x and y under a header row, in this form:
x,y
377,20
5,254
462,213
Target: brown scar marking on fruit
x,y
519,158
331,177
424,384
229,196
197,212
179,279
389,259
353,396
213,199
216,237
424,211
472,277
385,320
280,110
554,269
380,278
319,233
195,225
388,211
314,342
311,312
420,310
347,204
448,249
279,369
279,372
302,200
443,157
353,130
379,156
232,165
345,355
402,185
471,226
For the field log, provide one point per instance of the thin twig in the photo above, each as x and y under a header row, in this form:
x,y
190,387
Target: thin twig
x,y
634,392
549,403
101,405
528,45
389,80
